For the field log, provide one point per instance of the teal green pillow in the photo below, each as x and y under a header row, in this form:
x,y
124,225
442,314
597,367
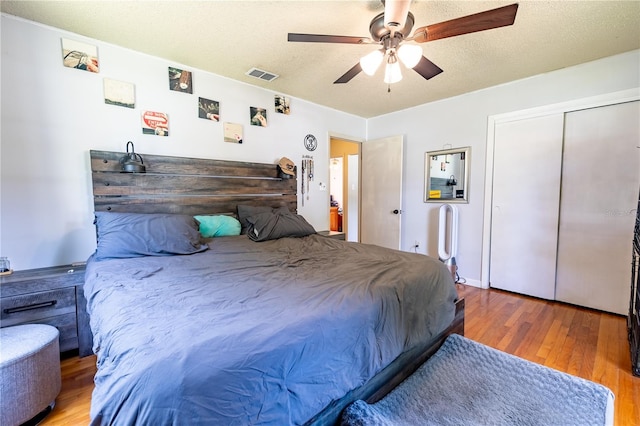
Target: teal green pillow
x,y
218,226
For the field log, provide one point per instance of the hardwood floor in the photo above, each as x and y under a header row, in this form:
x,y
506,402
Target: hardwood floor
x,y
586,343
579,341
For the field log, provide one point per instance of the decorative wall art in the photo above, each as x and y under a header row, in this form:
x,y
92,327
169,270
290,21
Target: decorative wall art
x,y
84,56
310,142
282,104
307,176
233,132
119,93
79,55
258,116
208,109
155,123
180,80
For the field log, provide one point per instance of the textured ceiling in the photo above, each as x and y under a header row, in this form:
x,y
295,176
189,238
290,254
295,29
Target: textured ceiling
x,y
230,37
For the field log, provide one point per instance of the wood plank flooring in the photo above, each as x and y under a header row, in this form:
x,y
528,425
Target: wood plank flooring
x,y
579,341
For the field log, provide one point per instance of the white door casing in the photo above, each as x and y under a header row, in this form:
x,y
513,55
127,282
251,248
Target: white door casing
x,y
381,188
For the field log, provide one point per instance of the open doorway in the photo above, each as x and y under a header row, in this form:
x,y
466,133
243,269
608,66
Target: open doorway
x,y
344,187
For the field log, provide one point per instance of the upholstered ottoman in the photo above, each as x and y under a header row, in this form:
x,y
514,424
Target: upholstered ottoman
x,y
29,371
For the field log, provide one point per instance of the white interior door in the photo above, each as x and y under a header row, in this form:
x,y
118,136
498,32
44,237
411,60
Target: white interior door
x,y
382,191
600,182
526,192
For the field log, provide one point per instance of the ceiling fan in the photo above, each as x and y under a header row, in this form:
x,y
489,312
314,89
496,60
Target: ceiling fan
x,y
391,29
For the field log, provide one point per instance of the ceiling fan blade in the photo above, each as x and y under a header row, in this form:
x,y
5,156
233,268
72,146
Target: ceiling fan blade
x,y
346,77
427,69
494,18
321,38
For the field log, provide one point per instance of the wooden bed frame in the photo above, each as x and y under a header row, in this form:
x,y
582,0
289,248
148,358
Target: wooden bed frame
x,y
202,186
186,185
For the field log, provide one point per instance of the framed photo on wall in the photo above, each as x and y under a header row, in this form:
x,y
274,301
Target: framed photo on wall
x,y
119,93
258,116
180,80
208,109
282,104
155,123
79,55
233,132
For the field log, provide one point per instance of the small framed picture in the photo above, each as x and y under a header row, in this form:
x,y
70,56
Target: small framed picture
x,y
208,109
233,132
155,123
282,104
180,80
79,55
119,93
258,116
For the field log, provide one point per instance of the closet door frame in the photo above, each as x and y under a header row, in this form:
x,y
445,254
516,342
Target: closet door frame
x,y
564,107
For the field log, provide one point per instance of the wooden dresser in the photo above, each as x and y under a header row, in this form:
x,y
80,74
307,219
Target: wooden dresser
x,y
51,296
333,219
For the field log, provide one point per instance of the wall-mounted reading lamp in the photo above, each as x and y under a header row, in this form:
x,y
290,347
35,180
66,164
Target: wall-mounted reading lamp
x,y
132,162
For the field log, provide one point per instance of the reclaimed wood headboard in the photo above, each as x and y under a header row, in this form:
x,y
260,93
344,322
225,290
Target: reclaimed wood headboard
x,y
190,186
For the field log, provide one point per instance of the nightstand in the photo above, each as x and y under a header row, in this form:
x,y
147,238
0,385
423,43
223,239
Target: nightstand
x,y
333,234
51,296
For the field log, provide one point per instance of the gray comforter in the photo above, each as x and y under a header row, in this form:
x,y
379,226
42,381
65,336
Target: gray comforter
x,y
254,333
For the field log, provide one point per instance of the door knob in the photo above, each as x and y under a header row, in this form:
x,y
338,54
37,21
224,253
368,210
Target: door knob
x,y
396,211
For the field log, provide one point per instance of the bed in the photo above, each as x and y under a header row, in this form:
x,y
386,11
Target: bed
x,y
281,326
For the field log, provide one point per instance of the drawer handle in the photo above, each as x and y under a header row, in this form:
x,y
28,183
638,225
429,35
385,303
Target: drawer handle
x,y
30,307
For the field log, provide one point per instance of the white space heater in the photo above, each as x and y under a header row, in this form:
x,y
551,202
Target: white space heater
x,y
448,237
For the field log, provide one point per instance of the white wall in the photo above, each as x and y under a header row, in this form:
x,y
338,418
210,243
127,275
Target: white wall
x,y
52,116
462,121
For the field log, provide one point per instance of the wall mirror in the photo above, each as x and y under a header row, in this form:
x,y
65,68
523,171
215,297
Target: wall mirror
x,y
447,175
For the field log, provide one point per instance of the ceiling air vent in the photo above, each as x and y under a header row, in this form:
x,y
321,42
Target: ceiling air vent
x,y
261,74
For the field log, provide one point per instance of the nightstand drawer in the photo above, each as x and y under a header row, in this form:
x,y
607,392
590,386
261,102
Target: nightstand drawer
x,y
33,307
66,325
53,296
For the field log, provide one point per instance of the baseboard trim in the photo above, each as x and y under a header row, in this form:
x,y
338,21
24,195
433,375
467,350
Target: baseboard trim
x,y
472,283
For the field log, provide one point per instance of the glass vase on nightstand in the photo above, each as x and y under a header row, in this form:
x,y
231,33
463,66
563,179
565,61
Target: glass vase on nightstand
x,y
5,265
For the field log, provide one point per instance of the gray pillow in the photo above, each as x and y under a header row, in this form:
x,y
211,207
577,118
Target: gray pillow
x,y
271,226
244,211
124,235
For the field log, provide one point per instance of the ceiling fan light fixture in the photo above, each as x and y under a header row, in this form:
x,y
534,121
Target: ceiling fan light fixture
x,y
395,13
371,62
410,54
392,73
